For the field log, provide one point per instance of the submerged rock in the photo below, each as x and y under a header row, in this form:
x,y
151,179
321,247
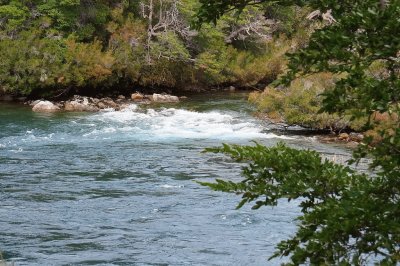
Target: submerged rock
x,y
45,106
160,98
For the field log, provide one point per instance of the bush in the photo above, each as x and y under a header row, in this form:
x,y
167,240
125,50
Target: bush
x,y
32,64
29,63
299,104
86,64
249,68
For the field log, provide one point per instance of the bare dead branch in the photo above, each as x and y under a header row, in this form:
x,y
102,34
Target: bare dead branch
x,y
257,26
327,16
163,18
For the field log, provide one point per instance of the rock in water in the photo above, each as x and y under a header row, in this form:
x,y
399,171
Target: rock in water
x,y
75,106
344,136
101,105
137,96
109,103
35,102
45,106
358,137
159,98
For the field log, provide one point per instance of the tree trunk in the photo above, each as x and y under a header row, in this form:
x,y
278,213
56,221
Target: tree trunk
x,y
383,4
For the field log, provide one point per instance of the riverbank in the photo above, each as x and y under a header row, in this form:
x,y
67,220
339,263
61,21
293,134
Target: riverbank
x,y
349,138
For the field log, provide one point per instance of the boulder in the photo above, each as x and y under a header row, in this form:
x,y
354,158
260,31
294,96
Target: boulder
x,y
343,136
34,102
101,105
123,106
357,137
161,98
60,104
137,96
76,106
85,101
95,100
109,103
45,106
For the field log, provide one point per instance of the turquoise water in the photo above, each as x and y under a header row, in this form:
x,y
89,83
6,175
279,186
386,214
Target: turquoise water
x,y
118,188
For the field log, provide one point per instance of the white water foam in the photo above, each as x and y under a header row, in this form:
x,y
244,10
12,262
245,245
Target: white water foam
x,y
171,123
164,124
166,186
30,137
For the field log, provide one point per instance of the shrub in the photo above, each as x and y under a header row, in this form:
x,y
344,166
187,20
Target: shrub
x,y
32,64
299,104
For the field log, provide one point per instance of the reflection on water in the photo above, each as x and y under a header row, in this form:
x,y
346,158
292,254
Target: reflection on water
x,y
117,188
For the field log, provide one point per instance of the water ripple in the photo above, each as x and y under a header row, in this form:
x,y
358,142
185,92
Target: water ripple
x,y
117,188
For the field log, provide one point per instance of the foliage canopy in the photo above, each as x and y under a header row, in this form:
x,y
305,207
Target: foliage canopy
x,y
127,44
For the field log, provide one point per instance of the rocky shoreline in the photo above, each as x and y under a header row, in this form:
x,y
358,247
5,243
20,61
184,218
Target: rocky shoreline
x,y
351,139
92,104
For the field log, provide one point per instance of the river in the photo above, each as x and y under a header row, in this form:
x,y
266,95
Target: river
x,y
118,187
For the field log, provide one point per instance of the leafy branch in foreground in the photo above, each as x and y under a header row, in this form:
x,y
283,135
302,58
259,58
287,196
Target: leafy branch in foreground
x,y
347,216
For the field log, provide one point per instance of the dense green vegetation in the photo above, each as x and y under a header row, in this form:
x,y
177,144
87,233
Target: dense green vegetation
x,y
300,104
348,218
54,47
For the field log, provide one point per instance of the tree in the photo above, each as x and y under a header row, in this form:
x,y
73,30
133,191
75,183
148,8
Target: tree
x,y
347,217
12,16
165,23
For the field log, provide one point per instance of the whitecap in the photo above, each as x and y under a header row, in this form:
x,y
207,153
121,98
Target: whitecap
x,y
172,123
274,136
171,186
